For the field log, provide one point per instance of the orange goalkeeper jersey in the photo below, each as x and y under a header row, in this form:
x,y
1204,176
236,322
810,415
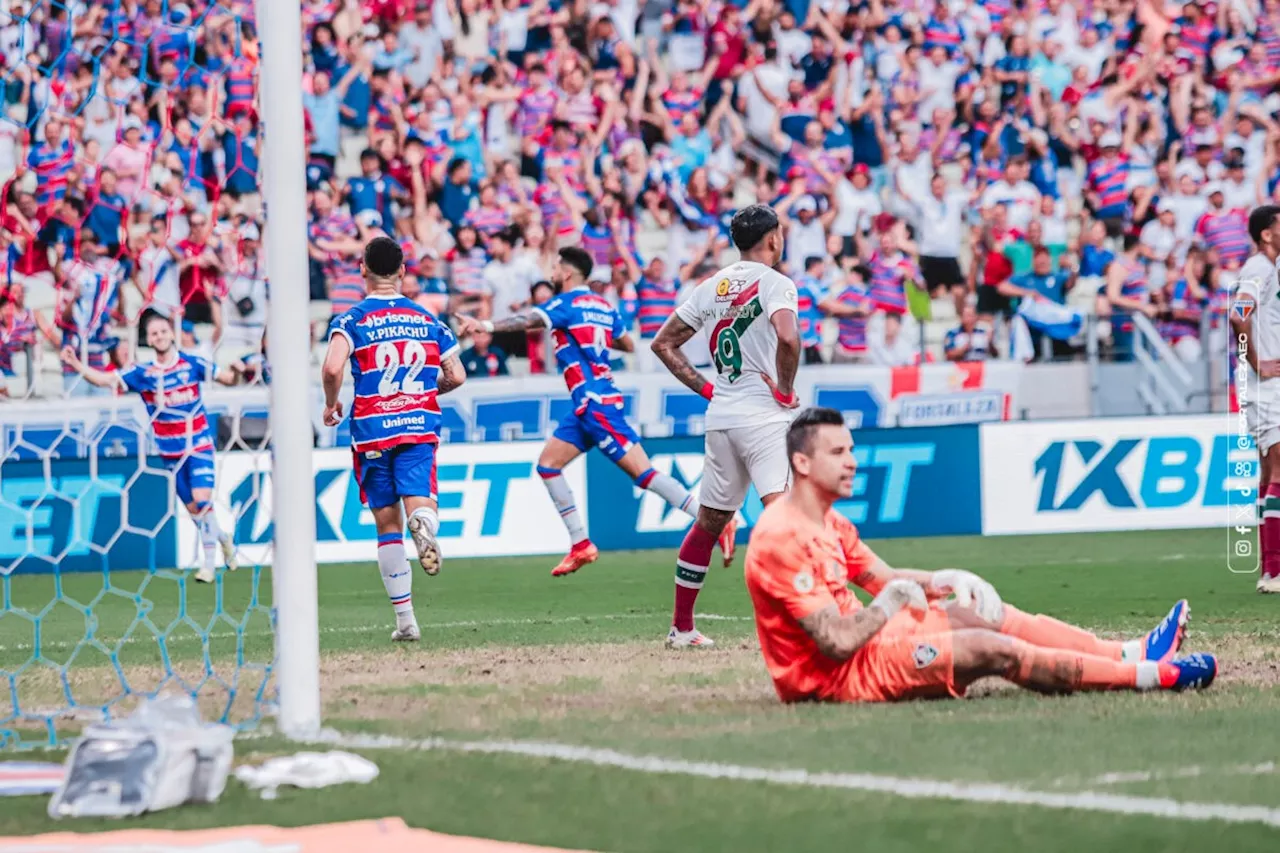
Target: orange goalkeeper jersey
x,y
795,568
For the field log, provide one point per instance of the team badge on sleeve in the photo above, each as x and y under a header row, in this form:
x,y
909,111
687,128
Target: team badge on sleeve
x,y
924,655
803,582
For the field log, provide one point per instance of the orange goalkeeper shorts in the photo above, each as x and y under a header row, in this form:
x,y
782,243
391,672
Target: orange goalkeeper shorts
x,y
910,658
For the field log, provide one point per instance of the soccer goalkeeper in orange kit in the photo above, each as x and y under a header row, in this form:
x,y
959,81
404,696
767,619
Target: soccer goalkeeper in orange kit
x,y
819,642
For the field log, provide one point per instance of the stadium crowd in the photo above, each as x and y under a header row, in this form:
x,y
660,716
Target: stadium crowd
x,y
991,171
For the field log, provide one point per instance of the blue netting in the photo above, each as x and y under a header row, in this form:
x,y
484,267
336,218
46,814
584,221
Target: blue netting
x,y
124,123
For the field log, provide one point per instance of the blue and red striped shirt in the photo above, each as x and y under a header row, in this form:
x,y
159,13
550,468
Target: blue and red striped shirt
x,y
888,277
174,402
1228,232
851,332
52,164
1108,178
583,328
656,301
397,347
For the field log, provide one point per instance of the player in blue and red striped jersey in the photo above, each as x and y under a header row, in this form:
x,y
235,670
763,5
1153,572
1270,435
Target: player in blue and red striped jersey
x,y
584,327
170,387
402,359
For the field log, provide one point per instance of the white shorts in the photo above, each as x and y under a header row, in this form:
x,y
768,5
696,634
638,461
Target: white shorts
x,y
1263,418
741,457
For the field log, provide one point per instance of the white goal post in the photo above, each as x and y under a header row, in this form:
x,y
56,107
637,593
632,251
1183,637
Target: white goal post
x,y
297,656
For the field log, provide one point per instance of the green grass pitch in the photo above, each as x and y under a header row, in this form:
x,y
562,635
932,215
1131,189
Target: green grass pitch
x,y
508,653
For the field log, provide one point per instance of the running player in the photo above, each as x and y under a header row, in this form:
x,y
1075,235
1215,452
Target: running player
x,y
819,642
584,326
170,389
755,344
1255,319
402,359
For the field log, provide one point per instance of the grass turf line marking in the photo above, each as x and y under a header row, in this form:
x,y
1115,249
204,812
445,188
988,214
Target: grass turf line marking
x,y
1122,778
189,639
910,788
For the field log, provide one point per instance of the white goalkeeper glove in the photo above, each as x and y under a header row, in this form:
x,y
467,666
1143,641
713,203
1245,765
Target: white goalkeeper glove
x,y
898,594
970,591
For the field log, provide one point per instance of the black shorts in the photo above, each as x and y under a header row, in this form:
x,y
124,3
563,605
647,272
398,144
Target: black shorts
x,y
940,272
1114,226
992,301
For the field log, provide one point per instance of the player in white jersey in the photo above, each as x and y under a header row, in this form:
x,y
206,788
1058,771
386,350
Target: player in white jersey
x,y
1255,319
750,312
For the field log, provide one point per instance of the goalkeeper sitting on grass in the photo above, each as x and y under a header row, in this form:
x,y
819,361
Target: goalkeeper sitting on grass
x,y
819,642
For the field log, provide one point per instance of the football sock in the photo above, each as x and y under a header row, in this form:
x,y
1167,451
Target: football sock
x,y
691,572
207,526
396,577
1049,633
562,497
1060,671
429,516
670,491
1269,539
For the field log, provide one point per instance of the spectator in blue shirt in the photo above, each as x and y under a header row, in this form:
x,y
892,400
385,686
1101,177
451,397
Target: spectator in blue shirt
x,y
323,104
1043,282
969,341
373,190
390,56
483,358
458,191
107,208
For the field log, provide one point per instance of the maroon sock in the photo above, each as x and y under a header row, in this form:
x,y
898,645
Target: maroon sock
x,y
1270,535
691,572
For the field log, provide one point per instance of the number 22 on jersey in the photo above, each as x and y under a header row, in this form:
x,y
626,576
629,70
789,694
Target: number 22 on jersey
x,y
387,358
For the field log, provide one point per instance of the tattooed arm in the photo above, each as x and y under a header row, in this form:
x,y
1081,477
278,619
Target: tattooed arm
x,y
452,374
838,637
666,346
519,322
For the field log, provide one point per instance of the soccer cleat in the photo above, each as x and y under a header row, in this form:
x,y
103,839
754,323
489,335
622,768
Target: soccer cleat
x,y
428,549
581,554
205,574
1268,584
228,552
694,639
406,633
727,540
1165,639
1193,672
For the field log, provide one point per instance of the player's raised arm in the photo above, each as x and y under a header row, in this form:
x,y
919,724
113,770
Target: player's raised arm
x,y
673,335
331,373
100,378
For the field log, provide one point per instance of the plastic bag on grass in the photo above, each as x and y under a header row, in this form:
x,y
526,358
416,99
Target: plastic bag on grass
x,y
163,755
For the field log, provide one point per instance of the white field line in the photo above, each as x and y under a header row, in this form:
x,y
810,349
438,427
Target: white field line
x,y
1264,768
187,638
910,788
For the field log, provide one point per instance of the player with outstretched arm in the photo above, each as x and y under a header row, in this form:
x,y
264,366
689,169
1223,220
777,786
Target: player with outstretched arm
x,y
402,359
170,387
754,337
584,327
819,642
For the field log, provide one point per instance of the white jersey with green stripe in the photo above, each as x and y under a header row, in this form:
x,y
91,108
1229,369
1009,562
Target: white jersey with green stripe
x,y
1259,289
735,305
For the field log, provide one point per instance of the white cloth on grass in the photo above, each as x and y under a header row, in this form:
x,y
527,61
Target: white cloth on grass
x,y
307,770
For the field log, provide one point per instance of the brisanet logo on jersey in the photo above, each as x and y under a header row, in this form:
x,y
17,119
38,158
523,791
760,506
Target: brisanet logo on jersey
x,y
1243,554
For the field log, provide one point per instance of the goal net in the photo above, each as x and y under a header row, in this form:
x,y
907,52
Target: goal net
x,y
132,189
